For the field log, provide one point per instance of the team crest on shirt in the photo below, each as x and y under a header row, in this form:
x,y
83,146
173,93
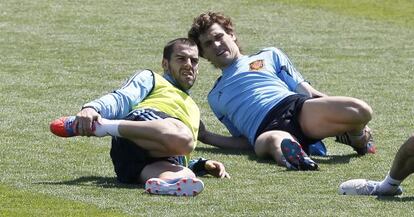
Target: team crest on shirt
x,y
256,65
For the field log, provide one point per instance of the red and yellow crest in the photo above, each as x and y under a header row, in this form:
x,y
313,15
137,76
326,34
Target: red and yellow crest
x,y
256,65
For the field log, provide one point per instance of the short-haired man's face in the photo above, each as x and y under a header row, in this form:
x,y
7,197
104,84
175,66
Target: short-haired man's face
x,y
219,47
183,64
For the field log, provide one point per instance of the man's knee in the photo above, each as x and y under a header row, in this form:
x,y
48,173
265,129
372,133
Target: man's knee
x,y
409,147
179,139
270,142
180,144
362,109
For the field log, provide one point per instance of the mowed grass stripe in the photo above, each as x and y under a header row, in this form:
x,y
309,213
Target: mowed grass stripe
x,y
17,203
399,11
74,51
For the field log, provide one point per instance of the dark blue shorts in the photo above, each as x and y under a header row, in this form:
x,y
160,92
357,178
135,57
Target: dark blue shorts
x,y
128,158
284,117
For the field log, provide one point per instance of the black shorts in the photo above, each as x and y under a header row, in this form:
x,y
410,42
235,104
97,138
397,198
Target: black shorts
x,y
284,117
128,158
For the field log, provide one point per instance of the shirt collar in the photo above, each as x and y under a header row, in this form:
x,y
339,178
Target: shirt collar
x,y
167,75
233,64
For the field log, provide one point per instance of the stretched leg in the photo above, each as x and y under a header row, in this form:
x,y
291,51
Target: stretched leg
x,y
161,137
284,149
334,116
403,164
269,144
163,177
402,167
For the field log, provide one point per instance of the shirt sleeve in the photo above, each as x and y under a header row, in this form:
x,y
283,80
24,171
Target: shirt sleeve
x,y
286,71
119,103
198,166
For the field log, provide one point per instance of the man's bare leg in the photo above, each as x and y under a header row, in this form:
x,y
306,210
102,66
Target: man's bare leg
x,y
331,116
402,167
284,149
268,144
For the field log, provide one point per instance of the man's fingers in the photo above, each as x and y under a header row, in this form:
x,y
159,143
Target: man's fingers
x,y
75,127
83,126
216,169
227,176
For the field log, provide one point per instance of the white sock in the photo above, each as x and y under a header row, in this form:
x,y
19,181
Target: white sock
x,y
389,184
107,128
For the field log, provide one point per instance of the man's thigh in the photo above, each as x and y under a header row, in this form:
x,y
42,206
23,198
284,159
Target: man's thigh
x,y
330,116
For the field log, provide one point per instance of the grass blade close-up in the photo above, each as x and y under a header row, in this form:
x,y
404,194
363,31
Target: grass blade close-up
x,y
56,56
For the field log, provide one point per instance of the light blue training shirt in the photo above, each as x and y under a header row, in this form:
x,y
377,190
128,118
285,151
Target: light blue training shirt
x,y
250,87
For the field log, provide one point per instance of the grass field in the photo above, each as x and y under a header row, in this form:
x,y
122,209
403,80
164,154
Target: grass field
x,y
57,55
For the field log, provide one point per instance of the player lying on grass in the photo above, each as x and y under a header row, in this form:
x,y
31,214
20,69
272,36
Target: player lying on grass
x,y
402,167
264,101
154,126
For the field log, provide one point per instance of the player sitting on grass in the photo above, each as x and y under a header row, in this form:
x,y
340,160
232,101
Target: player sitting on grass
x,y
266,104
402,167
154,126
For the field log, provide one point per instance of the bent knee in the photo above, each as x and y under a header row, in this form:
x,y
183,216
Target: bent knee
x,y
268,143
180,144
409,148
179,140
362,110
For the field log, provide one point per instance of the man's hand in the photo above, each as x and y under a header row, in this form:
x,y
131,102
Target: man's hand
x,y
306,89
84,120
216,169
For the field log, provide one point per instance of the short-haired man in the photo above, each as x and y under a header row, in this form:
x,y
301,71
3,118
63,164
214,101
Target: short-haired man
x,y
154,125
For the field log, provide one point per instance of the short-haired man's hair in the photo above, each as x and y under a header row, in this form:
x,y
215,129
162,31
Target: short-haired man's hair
x,y
204,21
169,47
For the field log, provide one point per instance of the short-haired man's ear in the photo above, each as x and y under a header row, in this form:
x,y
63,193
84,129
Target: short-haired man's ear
x,y
165,64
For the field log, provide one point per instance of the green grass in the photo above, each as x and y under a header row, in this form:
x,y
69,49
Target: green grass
x,y
57,55
396,12
20,203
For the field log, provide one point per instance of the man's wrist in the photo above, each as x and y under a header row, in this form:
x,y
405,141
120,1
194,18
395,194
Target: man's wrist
x,y
199,167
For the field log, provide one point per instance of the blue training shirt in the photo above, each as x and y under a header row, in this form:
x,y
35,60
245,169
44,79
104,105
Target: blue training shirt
x,y
250,87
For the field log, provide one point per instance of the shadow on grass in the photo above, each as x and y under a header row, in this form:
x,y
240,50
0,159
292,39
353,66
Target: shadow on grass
x,y
98,181
396,199
214,150
330,159
334,159
243,152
